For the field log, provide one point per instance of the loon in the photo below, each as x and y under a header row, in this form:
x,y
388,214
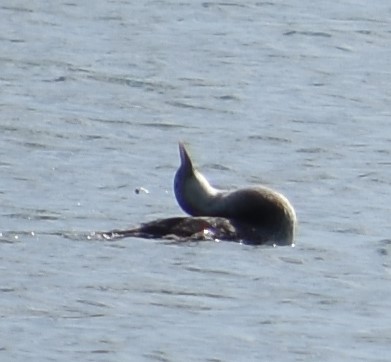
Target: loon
x,y
251,215
267,214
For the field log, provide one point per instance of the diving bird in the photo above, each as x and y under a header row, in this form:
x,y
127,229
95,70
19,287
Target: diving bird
x,y
251,215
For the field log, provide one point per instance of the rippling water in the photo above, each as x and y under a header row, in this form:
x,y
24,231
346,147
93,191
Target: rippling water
x,y
294,95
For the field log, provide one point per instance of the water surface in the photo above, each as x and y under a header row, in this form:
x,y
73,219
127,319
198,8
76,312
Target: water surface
x,y
294,95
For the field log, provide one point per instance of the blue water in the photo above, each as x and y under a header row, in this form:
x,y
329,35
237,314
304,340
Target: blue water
x,y
94,98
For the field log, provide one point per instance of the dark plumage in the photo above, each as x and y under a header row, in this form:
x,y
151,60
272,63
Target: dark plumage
x,y
252,215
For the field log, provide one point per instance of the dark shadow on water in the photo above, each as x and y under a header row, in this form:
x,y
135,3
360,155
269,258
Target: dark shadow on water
x,y
174,230
185,229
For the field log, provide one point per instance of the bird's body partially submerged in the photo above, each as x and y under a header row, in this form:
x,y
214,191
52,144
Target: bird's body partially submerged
x,y
252,215
267,213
